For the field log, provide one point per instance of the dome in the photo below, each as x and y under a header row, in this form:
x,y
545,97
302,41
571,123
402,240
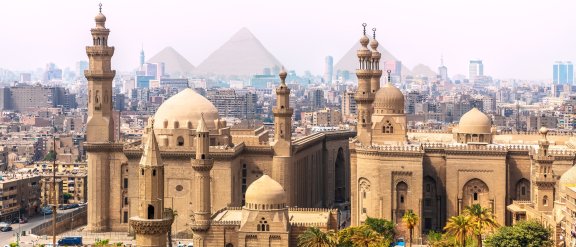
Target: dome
x,y
100,17
374,44
364,40
475,122
569,177
265,191
185,107
389,99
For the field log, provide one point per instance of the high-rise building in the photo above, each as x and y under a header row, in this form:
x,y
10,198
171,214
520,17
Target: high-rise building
x,y
328,69
563,73
80,67
25,77
443,71
52,72
475,69
142,60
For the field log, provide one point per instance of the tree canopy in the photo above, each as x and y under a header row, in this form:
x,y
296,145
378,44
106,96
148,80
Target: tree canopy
x,y
524,234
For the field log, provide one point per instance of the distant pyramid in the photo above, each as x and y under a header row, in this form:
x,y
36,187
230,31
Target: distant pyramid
x,y
349,62
242,55
174,63
422,70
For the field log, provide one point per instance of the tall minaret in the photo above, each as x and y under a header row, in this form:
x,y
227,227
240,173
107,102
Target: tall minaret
x,y
282,160
202,166
152,223
100,126
376,71
364,96
544,181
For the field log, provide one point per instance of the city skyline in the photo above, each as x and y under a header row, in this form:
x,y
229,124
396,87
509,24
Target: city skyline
x,y
301,37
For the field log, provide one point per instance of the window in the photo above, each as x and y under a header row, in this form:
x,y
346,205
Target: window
x,y
180,141
154,172
523,191
475,196
427,202
142,171
125,217
125,200
363,210
125,183
427,223
401,199
545,201
263,226
427,187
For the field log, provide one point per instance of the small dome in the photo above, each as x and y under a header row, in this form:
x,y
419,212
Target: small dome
x,y
389,99
100,18
374,44
475,122
265,191
186,106
543,130
364,40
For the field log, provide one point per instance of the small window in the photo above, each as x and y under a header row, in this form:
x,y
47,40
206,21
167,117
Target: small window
x,y
125,200
125,183
401,199
545,201
427,187
125,217
523,191
142,171
475,196
180,141
154,172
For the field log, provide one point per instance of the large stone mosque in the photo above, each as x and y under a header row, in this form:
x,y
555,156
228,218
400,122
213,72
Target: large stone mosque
x,y
234,187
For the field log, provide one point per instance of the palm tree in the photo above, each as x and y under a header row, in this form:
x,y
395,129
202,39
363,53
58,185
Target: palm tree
x,y
411,220
482,219
314,237
365,236
460,227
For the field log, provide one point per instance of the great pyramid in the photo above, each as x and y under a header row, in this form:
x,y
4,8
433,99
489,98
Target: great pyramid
x,y
423,70
349,62
242,55
174,63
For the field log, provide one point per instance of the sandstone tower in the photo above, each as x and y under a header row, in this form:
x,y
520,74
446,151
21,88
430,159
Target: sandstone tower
x,y
544,181
100,126
282,160
376,71
153,222
364,95
202,166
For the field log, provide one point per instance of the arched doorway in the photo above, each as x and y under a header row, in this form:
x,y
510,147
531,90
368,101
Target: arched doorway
x,y
476,191
430,199
340,179
523,190
401,200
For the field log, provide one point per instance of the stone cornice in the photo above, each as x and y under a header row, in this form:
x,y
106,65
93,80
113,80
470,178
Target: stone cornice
x,y
103,147
390,153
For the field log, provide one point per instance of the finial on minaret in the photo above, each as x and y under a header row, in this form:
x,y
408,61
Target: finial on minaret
x,y
100,7
374,33
364,25
389,77
283,75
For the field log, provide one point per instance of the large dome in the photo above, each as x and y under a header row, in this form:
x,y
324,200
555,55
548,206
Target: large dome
x,y
475,122
183,110
265,191
389,99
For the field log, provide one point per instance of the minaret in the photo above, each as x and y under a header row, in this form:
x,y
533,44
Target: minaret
x,y
376,71
202,166
544,181
153,222
282,160
364,96
100,126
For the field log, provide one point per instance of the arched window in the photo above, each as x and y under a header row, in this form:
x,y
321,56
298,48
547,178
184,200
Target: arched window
x,y
189,125
176,125
475,196
165,123
388,128
545,201
154,172
180,139
142,171
150,212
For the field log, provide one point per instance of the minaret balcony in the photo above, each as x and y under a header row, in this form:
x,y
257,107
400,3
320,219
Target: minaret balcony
x,y
202,164
363,73
364,98
103,75
200,225
100,50
151,227
282,112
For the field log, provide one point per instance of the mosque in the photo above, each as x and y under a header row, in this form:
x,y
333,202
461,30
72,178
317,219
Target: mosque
x,y
234,187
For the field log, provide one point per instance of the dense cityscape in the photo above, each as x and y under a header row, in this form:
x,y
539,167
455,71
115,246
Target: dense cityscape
x,y
241,150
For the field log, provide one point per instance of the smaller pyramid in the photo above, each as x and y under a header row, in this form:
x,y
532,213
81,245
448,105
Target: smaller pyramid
x,y
174,63
242,55
422,70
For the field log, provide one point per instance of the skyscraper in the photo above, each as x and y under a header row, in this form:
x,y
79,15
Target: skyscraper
x,y
563,73
443,71
142,57
328,69
476,69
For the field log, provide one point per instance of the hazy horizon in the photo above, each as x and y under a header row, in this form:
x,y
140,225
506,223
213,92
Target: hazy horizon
x,y
515,40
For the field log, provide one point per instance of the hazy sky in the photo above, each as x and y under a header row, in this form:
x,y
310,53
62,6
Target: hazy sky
x,y
515,39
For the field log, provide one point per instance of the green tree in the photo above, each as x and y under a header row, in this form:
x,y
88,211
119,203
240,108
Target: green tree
x,y
411,220
460,227
50,156
482,220
314,237
103,242
383,227
66,197
524,234
366,237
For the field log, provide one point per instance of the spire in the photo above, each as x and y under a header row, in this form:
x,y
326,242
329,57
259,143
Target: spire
x,y
151,154
201,125
283,75
100,7
100,18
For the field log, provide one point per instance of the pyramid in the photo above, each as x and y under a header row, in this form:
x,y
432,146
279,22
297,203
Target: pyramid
x,y
174,63
349,62
242,55
423,70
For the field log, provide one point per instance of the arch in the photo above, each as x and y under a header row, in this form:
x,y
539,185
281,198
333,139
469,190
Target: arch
x,y
180,141
430,208
165,123
229,245
364,200
150,212
401,199
176,124
545,200
340,183
523,189
203,156
189,124
475,191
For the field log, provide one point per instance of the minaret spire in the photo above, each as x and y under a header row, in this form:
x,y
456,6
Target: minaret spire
x,y
364,95
202,164
376,72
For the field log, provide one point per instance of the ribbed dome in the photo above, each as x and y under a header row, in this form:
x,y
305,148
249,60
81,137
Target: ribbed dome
x,y
186,106
389,99
475,122
265,191
100,18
